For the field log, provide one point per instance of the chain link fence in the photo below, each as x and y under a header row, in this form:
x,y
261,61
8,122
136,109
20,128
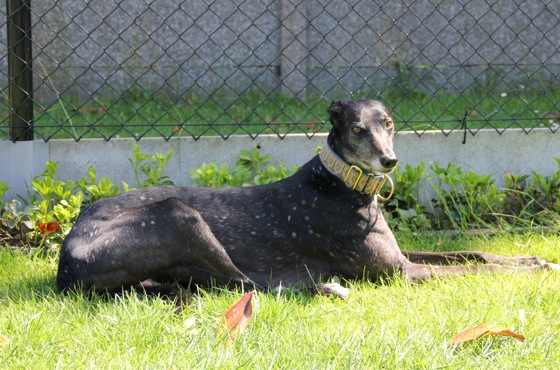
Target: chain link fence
x,y
106,68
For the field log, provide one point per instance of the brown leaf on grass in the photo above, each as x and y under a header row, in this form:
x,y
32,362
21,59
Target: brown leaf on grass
x,y
85,110
237,318
552,116
479,331
473,113
3,340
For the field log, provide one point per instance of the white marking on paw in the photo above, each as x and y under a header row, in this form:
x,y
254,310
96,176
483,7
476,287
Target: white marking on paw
x,y
333,289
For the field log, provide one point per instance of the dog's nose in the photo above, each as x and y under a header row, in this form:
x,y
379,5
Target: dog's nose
x,y
389,162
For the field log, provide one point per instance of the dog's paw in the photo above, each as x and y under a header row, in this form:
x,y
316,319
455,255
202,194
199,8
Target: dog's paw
x,y
333,289
552,266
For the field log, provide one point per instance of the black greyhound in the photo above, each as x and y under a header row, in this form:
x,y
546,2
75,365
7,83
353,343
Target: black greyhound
x,y
322,221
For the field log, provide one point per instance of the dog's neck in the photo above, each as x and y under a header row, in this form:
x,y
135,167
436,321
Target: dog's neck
x,y
353,176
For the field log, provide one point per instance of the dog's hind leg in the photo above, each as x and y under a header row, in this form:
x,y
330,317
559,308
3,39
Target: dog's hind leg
x,y
174,293
205,253
166,241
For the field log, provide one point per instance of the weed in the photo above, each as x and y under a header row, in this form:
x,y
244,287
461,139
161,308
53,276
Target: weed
x,y
250,170
15,216
463,199
404,210
94,191
254,163
49,213
405,85
535,200
213,176
52,206
3,189
152,166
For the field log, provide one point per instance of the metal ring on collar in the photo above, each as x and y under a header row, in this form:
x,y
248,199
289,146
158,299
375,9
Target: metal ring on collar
x,y
384,199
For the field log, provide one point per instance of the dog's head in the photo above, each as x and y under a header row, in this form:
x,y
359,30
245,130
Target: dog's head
x,y
362,134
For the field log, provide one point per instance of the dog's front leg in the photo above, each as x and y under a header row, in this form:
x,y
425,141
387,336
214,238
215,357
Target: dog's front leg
x,y
461,257
418,271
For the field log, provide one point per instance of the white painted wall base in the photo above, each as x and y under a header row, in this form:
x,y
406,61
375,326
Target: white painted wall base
x,y
487,152
19,162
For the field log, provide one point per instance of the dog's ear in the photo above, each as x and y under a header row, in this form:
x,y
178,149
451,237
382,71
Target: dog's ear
x,y
335,110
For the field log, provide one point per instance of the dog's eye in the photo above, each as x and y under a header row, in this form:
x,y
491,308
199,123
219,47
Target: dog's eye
x,y
357,129
388,124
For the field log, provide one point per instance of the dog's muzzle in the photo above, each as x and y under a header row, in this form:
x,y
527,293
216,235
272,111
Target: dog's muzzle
x,y
353,176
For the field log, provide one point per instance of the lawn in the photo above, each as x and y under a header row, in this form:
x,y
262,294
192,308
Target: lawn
x,y
139,113
391,325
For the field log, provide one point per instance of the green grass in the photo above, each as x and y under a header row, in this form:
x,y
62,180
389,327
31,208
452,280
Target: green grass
x,y
139,113
393,325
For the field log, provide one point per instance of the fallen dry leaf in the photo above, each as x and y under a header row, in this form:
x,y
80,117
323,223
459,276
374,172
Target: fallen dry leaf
x,y
474,113
100,110
237,318
470,334
3,340
553,116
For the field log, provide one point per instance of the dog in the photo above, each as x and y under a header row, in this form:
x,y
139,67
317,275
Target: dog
x,y
323,221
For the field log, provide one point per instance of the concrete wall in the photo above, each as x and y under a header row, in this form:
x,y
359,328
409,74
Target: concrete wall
x,y
487,152
99,49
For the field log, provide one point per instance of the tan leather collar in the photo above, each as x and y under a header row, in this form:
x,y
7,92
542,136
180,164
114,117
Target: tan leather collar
x,y
353,176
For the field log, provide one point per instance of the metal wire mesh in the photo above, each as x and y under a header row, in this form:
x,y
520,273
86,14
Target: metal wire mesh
x,y
170,68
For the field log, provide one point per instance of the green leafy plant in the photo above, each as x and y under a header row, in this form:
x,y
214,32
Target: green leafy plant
x,y
535,200
254,163
464,199
404,210
3,189
250,170
546,189
50,210
151,166
212,175
94,190
52,206
15,217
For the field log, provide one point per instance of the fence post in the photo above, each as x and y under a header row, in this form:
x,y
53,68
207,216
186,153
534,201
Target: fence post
x,y
20,76
293,65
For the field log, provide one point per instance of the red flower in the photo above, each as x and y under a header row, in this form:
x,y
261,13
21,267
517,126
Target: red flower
x,y
49,227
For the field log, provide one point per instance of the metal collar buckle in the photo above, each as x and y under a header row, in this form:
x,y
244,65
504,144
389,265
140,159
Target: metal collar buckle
x,y
353,182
